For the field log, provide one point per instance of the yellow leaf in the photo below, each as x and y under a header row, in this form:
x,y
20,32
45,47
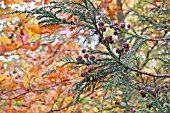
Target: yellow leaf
x,y
26,78
5,40
55,95
18,43
96,109
17,1
3,79
20,16
69,99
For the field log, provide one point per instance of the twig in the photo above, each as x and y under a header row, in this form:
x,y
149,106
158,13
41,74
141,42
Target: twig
x,y
21,46
147,56
37,90
151,74
70,104
13,97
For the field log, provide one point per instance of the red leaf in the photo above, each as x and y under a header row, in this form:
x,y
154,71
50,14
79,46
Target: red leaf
x,y
22,38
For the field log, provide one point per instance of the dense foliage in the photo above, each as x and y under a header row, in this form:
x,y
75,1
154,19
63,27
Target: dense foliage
x,y
87,56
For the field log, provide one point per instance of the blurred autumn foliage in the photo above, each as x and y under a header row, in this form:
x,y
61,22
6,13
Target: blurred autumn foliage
x,y
28,51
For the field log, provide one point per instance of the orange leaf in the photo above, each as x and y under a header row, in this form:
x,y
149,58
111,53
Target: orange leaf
x,y
72,28
48,29
36,45
2,48
2,81
44,84
6,2
35,30
10,110
46,1
117,109
35,69
27,47
59,89
21,85
53,77
11,46
10,84
49,62
61,69
73,36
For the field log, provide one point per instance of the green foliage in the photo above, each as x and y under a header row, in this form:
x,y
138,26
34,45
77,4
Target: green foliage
x,y
117,71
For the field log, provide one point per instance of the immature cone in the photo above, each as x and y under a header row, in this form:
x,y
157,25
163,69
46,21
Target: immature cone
x,y
128,26
168,20
142,94
86,56
165,85
90,70
126,45
111,42
111,26
165,26
143,87
108,38
79,58
83,74
149,106
115,33
122,25
92,57
87,79
98,59
153,93
95,32
103,41
115,24
126,49
118,51
101,23
115,28
148,89
83,51
120,40
102,28
100,40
